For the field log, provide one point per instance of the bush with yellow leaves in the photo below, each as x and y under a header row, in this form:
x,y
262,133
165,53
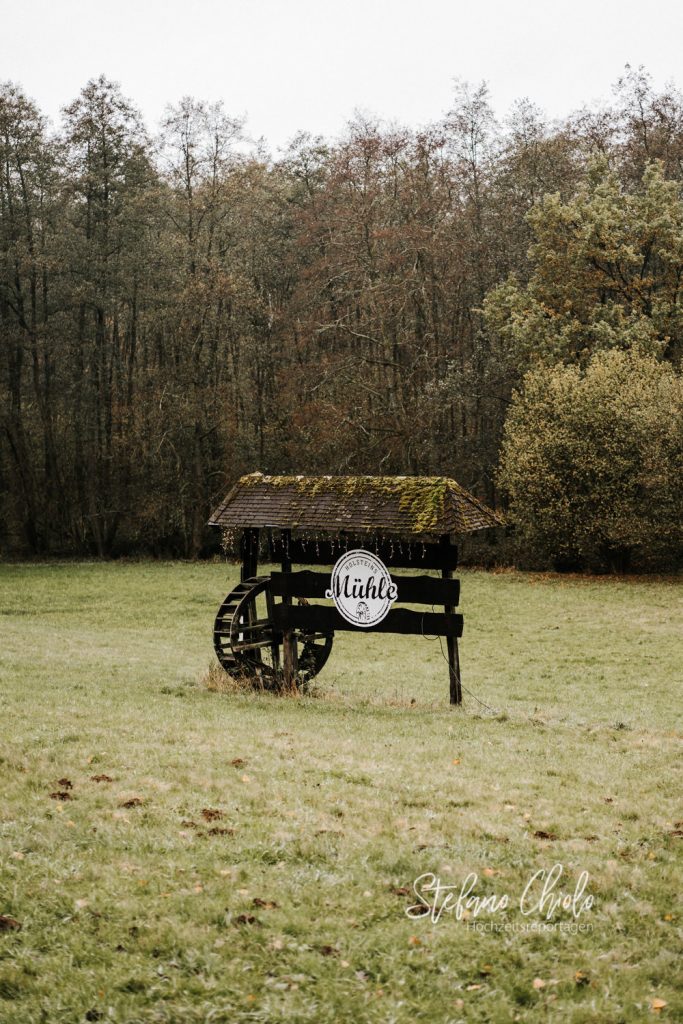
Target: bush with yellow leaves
x,y
592,462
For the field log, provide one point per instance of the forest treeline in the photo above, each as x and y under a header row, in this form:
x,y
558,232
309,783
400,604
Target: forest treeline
x,y
179,309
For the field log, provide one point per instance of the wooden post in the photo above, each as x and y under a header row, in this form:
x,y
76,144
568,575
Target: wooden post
x,y
249,546
289,652
451,641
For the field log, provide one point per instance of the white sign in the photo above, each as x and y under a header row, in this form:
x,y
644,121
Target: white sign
x,y
362,588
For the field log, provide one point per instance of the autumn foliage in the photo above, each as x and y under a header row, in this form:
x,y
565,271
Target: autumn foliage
x,y
178,310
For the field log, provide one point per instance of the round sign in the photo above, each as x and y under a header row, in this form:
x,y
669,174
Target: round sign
x,y
362,588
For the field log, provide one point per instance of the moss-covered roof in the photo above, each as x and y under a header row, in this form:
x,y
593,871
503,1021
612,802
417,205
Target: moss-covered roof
x,y
415,507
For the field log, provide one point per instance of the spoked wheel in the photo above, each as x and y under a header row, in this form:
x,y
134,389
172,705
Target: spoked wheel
x,y
246,641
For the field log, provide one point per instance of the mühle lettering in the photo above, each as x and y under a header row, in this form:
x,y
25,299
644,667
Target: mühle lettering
x,y
355,587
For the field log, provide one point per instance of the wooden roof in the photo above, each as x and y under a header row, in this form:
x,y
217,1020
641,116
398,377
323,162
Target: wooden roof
x,y
418,507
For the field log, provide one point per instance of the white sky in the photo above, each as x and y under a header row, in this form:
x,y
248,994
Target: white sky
x,y
307,64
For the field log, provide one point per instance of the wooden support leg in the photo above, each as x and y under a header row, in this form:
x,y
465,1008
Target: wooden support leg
x,y
250,546
290,659
455,686
274,648
249,568
454,668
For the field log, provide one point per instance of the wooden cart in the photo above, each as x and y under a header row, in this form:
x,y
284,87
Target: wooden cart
x,y
270,624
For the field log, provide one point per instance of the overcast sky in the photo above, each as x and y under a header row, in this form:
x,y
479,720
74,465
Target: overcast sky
x,y
307,64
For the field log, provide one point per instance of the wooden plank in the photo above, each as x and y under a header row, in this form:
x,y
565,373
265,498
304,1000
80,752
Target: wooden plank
x,y
256,645
325,619
399,555
253,627
411,589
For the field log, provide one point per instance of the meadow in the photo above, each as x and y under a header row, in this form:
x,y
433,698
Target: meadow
x,y
174,855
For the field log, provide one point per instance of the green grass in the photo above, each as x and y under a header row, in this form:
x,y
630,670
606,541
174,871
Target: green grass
x,y
141,915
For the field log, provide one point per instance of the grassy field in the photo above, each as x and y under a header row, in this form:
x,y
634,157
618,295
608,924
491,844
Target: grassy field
x,y
251,858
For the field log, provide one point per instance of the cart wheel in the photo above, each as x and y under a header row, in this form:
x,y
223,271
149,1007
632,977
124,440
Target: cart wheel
x,y
246,641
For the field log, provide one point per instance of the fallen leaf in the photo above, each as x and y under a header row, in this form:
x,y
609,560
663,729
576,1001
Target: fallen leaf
x,y
581,978
211,814
265,904
456,760
246,919
676,832
101,778
134,801
538,983
489,872
414,940
399,890
61,795
238,762
328,950
658,1004
609,799
485,970
9,924
540,834
65,783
